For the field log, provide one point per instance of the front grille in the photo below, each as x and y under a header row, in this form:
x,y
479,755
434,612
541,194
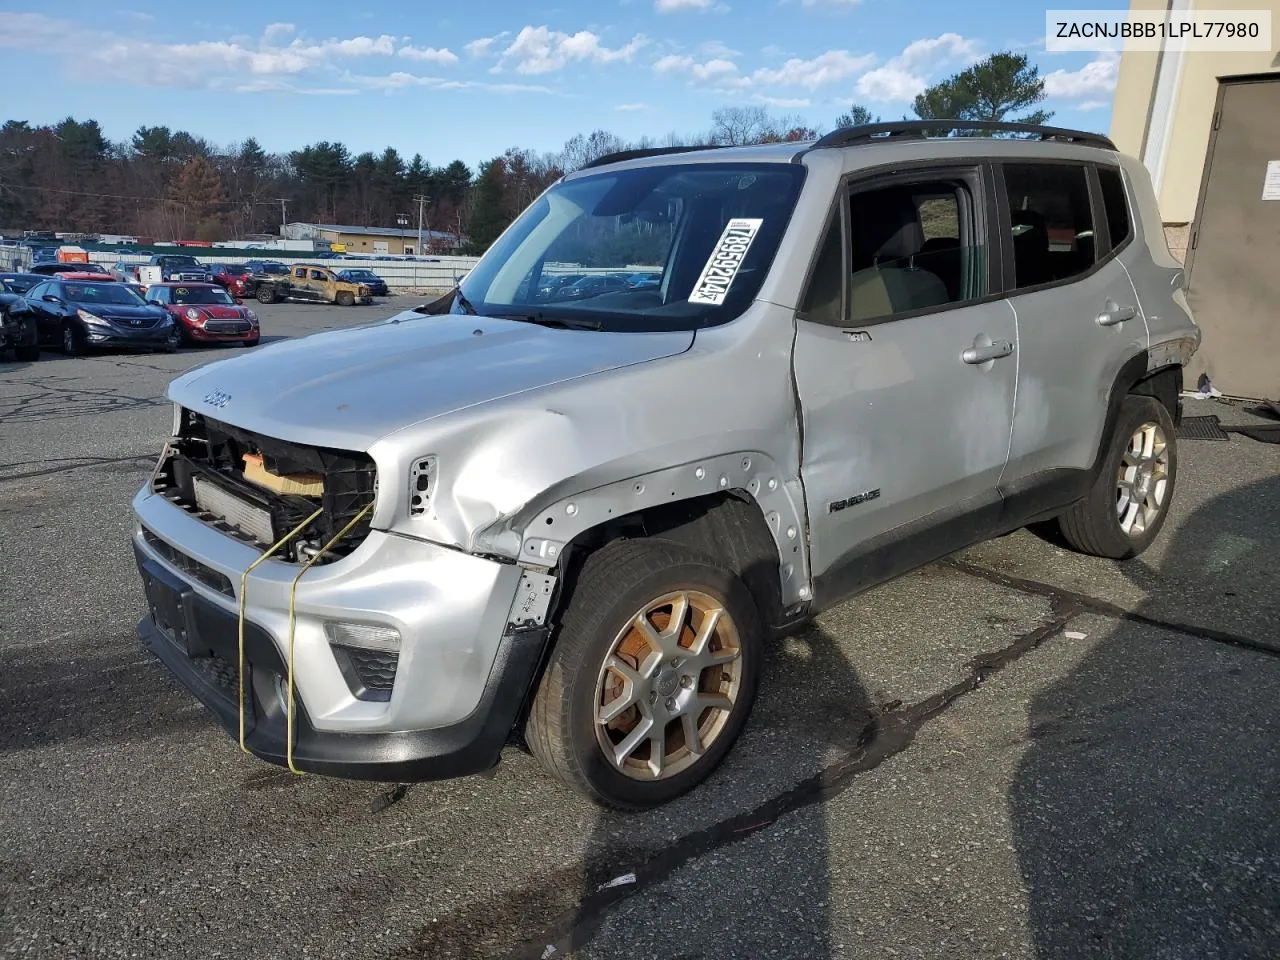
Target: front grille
x,y
370,674
138,323
226,326
223,676
188,565
203,472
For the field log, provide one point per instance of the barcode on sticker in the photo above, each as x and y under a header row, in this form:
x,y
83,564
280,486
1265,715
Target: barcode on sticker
x,y
725,261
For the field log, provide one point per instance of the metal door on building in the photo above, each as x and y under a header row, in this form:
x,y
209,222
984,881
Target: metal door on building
x,y
1233,263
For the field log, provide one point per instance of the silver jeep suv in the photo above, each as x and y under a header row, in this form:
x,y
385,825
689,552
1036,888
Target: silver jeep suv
x,y
567,513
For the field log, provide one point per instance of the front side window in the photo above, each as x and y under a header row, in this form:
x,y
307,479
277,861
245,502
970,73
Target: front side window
x,y
318,275
916,246
38,291
158,294
702,236
1053,233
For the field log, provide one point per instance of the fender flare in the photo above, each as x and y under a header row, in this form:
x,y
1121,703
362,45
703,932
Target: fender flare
x,y
752,474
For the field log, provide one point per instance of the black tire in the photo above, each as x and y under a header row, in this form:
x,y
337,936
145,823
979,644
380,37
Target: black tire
x,y
266,293
1093,525
175,340
345,298
615,584
72,339
251,343
26,353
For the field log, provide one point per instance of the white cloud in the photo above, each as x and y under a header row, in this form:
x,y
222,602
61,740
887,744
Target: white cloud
x,y
443,55
484,45
136,15
673,63
1094,83
671,6
784,103
908,74
276,31
281,86
830,3
820,70
717,48
537,50
400,80
717,73
631,107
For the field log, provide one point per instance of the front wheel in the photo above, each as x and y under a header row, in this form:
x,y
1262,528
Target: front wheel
x,y
1130,499
652,676
266,293
72,339
345,298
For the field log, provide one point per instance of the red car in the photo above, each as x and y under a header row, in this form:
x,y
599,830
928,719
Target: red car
x,y
232,277
205,313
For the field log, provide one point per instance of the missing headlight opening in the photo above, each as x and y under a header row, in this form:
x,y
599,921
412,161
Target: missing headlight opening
x,y
257,488
421,480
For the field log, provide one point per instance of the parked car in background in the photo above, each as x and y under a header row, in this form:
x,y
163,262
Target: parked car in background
x,y
357,275
77,315
591,286
206,313
179,266
124,271
17,332
89,275
311,282
272,267
233,277
49,268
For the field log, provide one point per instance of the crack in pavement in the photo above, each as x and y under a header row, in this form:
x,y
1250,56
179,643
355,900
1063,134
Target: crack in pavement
x,y
891,732
81,462
1108,609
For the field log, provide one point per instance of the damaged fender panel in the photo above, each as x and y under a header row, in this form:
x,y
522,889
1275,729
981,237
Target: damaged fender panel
x,y
779,499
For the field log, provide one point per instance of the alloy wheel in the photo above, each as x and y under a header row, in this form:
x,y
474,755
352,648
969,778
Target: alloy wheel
x,y
668,685
1143,484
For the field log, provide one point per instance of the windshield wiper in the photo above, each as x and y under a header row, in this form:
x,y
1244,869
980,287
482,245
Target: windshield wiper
x,y
561,323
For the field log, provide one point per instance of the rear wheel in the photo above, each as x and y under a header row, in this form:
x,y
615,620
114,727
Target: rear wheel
x,y
72,339
652,676
266,293
1130,499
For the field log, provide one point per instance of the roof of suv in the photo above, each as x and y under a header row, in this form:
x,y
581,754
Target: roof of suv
x,y
875,134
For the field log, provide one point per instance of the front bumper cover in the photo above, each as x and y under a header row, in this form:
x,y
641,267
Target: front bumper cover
x,y
199,643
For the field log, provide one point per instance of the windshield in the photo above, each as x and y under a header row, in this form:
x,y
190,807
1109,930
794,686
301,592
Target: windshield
x,y
201,295
115,293
359,274
175,260
655,248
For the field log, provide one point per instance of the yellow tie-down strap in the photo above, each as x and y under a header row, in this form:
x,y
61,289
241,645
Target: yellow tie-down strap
x,y
293,592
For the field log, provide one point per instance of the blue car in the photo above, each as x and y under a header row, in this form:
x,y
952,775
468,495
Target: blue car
x,y
377,286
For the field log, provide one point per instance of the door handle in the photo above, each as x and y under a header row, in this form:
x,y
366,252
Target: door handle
x,y
1114,315
985,349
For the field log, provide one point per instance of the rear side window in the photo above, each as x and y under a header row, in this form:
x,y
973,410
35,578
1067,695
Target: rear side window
x,y
1053,231
1119,227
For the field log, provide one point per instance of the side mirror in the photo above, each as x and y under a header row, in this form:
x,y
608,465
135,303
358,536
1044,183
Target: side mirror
x,y
239,299
51,298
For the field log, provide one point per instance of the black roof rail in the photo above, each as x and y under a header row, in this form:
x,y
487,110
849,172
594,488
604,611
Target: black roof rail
x,y
922,129
638,154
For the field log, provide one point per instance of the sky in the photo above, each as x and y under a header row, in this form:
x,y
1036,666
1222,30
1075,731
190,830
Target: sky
x,y
469,80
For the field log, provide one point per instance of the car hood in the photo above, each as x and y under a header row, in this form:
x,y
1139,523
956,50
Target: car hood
x,y
348,388
118,311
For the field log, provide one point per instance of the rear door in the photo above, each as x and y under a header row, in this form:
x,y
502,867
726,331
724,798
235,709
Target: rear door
x,y
905,365
1079,321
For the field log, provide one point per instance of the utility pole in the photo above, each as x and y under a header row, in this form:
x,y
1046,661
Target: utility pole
x,y
284,220
421,200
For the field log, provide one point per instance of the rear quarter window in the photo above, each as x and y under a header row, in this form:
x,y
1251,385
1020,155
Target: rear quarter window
x,y
1116,204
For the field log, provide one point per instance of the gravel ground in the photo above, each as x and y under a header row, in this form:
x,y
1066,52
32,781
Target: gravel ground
x,y
1017,752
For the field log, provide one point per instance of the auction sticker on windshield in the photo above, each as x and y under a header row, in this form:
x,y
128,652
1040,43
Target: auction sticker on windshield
x,y
725,261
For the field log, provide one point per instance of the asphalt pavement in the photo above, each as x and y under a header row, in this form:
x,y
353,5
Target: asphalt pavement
x,y
1016,752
